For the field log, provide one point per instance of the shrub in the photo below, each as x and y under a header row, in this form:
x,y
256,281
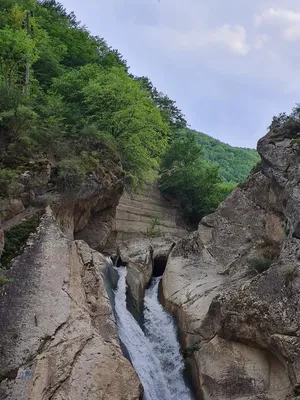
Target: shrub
x,y
259,264
3,281
7,176
295,142
89,162
70,175
154,230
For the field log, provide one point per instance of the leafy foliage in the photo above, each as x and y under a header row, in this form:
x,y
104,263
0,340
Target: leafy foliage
x,y
286,125
81,97
7,176
235,162
3,281
194,182
154,230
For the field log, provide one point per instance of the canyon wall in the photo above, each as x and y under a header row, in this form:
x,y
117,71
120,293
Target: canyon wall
x,y
234,285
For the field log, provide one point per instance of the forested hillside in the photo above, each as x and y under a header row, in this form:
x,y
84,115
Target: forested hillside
x,y
67,97
79,95
235,162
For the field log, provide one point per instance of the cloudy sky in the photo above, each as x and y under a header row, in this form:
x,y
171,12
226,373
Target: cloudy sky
x,y
229,64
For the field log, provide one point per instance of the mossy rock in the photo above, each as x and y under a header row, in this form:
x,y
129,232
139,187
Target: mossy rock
x,y
15,240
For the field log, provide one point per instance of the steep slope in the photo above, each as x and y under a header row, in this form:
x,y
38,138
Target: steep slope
x,y
234,285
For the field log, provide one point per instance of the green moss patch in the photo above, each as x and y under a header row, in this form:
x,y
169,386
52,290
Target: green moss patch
x,y
15,240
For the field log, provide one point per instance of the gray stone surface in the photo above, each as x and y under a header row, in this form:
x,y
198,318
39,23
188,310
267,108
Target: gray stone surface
x,y
139,255
240,331
58,334
135,214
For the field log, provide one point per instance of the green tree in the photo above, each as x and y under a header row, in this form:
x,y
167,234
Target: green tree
x,y
118,106
189,179
170,113
15,51
235,163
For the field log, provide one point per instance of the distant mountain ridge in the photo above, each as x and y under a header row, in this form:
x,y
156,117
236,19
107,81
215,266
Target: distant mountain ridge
x,y
235,162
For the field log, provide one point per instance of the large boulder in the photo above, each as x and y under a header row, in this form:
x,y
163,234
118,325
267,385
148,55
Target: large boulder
x,y
58,334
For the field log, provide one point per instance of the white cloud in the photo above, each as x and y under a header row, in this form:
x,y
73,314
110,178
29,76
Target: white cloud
x,y
287,20
229,37
278,15
292,33
260,41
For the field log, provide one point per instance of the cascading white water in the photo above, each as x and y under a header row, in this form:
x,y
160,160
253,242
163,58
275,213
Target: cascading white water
x,y
161,332
160,371
138,346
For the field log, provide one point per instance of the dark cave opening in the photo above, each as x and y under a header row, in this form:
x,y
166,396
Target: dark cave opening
x,y
159,265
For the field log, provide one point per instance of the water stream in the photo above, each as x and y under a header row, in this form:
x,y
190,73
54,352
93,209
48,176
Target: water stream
x,y
155,353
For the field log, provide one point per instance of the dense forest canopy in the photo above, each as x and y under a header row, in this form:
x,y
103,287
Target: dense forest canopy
x,y
235,162
67,96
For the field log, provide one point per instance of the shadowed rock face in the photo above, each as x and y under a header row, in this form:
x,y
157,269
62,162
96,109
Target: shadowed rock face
x,y
58,334
241,329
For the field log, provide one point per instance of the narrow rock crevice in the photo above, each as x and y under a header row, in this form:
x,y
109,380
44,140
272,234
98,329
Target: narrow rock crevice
x,y
159,265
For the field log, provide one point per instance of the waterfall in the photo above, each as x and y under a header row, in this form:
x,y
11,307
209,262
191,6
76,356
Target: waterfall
x,y
162,334
152,368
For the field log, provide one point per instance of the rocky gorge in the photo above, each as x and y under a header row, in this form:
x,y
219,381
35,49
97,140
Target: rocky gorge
x,y
232,285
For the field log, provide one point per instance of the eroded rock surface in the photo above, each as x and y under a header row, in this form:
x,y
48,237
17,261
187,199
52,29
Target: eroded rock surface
x,y
138,215
139,256
58,334
240,328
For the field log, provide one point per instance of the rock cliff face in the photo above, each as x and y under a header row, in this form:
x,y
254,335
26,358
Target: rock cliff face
x,y
58,334
37,187
234,285
137,214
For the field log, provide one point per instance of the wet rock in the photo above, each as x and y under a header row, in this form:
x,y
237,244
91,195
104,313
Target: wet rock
x,y
138,256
